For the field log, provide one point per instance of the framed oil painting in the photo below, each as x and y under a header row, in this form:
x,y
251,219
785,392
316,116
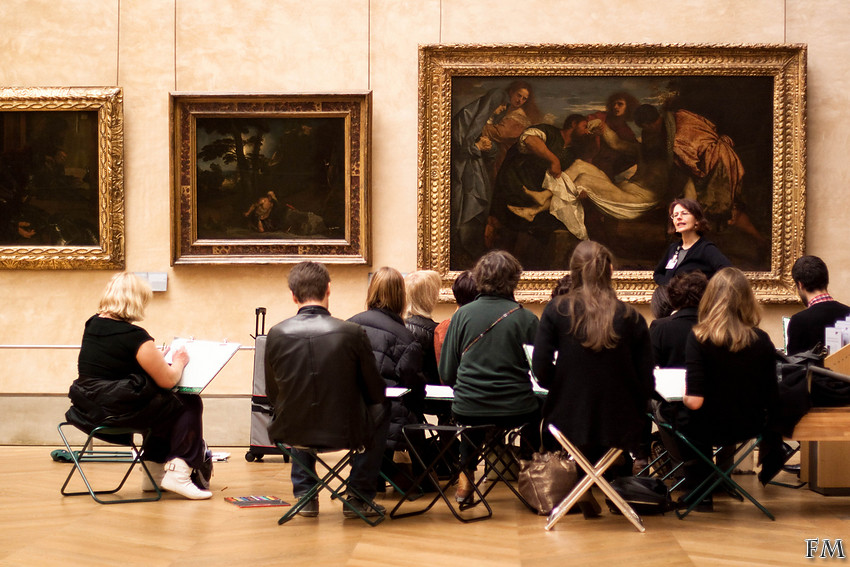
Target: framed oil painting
x,y
637,126
61,178
270,178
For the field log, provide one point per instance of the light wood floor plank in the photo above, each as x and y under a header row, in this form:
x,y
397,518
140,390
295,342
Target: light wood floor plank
x,y
40,527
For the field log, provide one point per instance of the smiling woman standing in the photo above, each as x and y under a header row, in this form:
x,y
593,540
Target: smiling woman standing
x,y
693,252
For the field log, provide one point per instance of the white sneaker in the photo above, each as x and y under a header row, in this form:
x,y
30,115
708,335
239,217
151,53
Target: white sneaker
x,y
177,479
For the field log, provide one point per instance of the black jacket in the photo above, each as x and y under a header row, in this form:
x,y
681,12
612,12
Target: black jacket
x,y
704,256
322,381
396,350
423,331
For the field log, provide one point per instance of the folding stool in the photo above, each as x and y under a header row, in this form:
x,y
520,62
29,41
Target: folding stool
x,y
333,481
594,476
117,436
718,475
499,445
438,436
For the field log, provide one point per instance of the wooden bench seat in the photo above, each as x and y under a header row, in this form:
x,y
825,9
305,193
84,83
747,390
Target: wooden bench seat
x,y
824,424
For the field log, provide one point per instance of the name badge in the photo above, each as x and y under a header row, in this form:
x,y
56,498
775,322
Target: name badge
x,y
672,263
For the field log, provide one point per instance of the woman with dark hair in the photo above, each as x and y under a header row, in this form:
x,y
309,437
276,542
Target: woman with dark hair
x,y
668,334
464,291
601,380
483,357
693,252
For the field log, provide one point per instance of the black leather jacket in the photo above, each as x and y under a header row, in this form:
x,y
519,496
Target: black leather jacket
x,y
323,383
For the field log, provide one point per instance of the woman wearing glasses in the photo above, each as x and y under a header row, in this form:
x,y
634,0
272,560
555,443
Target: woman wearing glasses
x,y
693,252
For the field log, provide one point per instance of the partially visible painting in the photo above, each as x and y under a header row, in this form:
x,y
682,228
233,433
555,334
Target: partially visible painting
x,y
624,130
270,178
61,178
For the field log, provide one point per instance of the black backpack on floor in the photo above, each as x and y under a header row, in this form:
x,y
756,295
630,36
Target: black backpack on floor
x,y
646,495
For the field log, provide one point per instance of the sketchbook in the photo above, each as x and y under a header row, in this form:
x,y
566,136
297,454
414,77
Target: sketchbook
x,y
670,383
206,359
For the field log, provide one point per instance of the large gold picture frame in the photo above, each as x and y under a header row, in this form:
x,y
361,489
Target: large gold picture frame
x,y
61,178
751,96
270,178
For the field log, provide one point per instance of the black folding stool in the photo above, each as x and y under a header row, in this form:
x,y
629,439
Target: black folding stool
x,y
117,436
333,481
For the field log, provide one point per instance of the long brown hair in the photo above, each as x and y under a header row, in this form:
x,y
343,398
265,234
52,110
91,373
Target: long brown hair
x,y
591,302
728,311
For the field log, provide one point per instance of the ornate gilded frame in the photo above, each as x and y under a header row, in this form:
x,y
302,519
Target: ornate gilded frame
x,y
192,243
785,65
107,221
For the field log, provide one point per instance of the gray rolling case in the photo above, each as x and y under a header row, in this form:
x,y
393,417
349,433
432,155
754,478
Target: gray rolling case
x,y
261,411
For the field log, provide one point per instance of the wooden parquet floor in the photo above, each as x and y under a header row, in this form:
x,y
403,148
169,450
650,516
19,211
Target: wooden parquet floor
x,y
40,527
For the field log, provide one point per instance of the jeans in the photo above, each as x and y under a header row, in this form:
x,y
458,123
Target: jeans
x,y
365,466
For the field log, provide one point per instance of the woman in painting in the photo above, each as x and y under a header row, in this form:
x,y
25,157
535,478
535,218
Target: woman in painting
x,y
618,112
482,132
601,381
692,252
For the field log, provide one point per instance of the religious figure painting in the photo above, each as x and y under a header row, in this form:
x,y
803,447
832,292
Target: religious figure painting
x,y
543,152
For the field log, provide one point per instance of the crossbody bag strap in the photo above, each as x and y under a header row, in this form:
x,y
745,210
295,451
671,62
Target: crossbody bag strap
x,y
496,322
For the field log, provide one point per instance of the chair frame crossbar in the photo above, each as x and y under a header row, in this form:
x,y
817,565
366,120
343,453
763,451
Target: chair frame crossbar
x,y
332,481
718,475
87,454
440,434
498,446
593,476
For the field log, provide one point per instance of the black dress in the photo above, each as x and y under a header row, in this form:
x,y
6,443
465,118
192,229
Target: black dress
x,y
597,399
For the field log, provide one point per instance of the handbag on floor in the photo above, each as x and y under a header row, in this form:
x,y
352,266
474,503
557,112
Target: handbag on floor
x,y
546,479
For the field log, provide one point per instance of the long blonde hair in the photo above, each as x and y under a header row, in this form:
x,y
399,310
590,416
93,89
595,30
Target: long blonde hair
x,y
126,296
591,302
728,311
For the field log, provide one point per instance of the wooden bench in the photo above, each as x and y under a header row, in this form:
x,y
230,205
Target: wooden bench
x,y
824,435
824,424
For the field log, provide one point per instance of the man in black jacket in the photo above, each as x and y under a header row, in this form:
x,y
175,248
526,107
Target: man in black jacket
x,y
326,390
806,328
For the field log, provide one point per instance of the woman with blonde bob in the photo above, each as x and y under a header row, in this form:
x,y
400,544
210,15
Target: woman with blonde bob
x,y
731,372
601,380
423,290
124,381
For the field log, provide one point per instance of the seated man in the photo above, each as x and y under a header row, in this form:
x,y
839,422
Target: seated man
x,y
806,328
325,388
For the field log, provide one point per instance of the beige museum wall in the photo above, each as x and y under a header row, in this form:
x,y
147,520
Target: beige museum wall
x,y
152,47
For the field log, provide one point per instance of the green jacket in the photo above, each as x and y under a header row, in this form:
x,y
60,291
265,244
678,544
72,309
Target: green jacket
x,y
491,378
